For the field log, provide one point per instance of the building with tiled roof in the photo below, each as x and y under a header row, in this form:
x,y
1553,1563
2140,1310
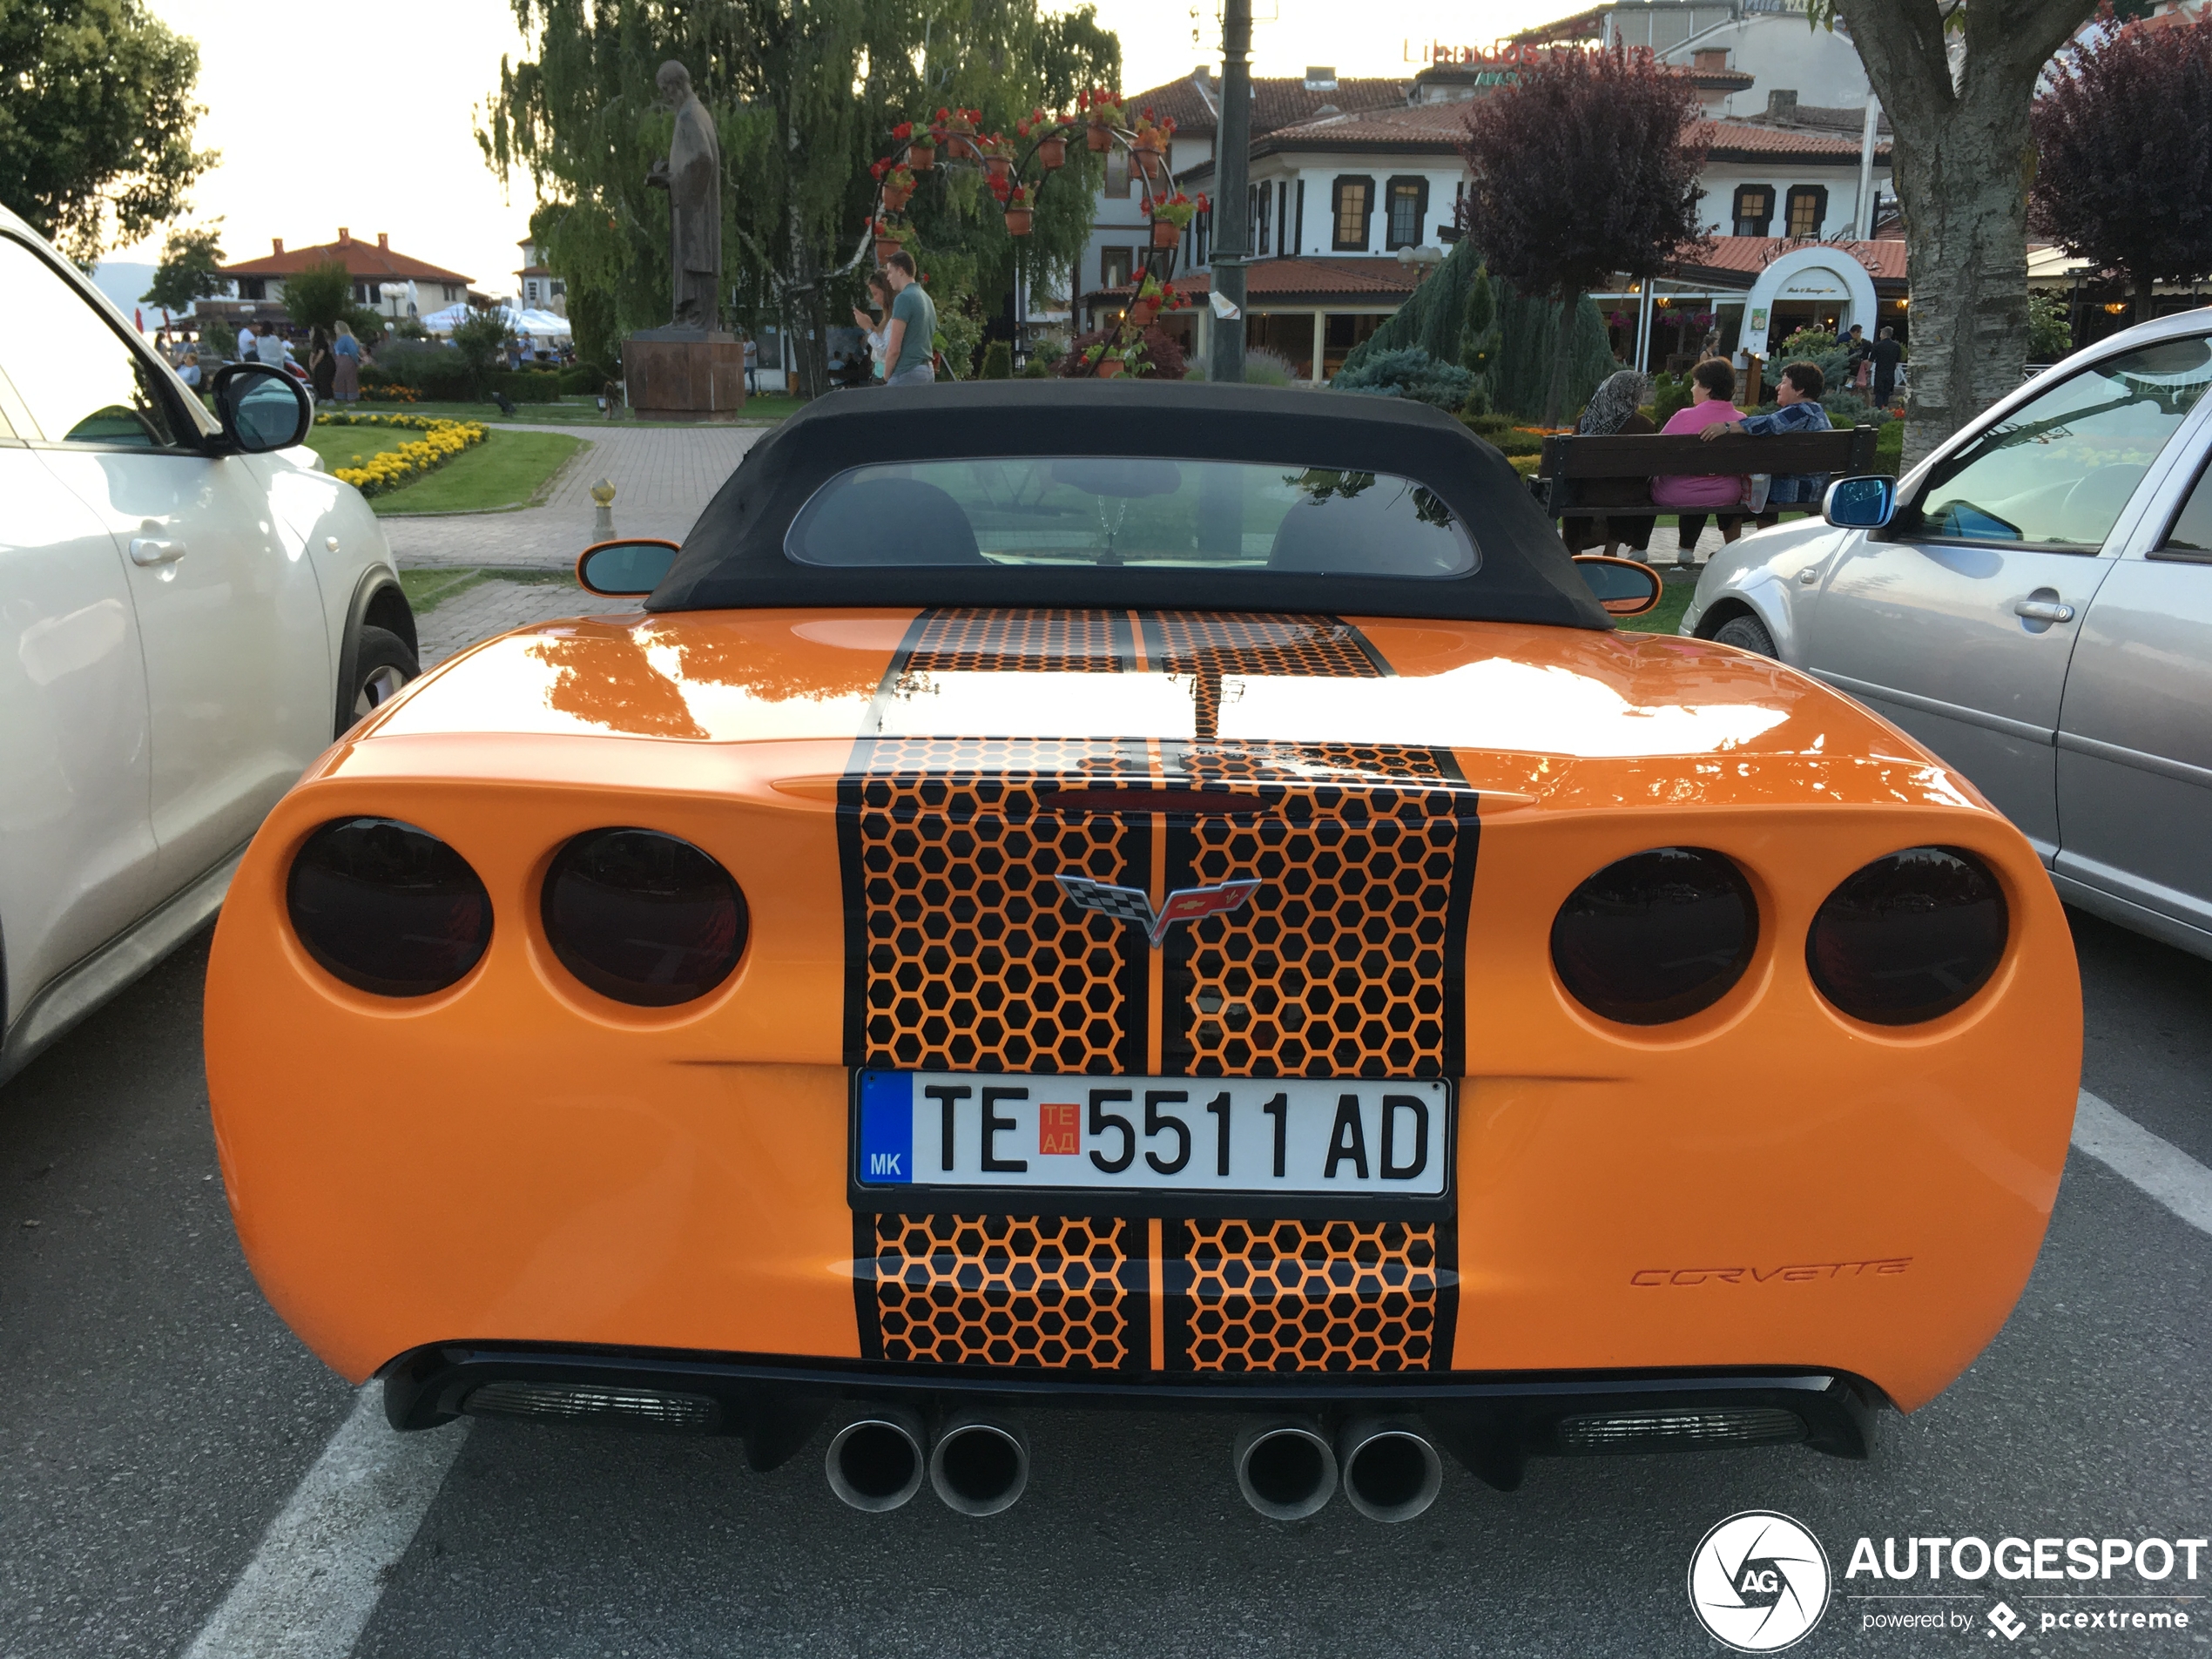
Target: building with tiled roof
x,y
257,283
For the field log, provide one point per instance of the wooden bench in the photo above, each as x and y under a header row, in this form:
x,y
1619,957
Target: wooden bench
x,y
1571,463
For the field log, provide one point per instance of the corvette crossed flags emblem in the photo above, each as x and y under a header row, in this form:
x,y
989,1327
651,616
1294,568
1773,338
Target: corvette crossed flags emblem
x,y
1134,904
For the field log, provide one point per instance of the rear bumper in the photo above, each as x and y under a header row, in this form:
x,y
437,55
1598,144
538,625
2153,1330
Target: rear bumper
x,y
1493,1422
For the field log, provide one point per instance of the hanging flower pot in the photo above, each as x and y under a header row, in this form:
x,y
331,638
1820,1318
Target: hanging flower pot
x,y
1166,233
1108,367
895,200
922,155
1140,313
1052,154
1147,160
1099,135
1018,221
997,167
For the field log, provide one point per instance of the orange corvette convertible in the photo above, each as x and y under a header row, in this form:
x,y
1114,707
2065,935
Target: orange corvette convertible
x,y
1117,895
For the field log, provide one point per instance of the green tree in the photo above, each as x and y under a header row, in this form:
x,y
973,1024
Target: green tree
x,y
96,121
480,338
1479,341
187,272
318,296
804,94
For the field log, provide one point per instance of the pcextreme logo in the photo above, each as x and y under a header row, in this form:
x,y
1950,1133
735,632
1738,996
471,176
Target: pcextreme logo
x,y
1759,1581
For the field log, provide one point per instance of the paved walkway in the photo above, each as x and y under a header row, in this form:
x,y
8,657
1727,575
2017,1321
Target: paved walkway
x,y
494,607
663,476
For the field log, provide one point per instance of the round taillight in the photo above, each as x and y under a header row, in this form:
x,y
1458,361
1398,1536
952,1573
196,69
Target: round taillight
x,y
642,917
1909,937
387,907
1657,936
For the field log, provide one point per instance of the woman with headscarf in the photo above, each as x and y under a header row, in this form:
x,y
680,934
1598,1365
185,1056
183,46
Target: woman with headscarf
x,y
1615,411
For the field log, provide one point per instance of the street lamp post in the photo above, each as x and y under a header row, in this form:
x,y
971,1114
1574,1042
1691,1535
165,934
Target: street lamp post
x,y
1232,153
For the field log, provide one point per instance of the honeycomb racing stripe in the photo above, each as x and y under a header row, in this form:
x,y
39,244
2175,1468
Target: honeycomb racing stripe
x,y
962,955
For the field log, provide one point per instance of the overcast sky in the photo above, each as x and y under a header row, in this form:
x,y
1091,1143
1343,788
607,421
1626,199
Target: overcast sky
x,y
370,125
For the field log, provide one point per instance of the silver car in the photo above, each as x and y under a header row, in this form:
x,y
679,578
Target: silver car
x,y
2034,602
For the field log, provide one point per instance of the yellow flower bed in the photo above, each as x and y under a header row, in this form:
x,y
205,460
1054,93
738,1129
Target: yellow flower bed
x,y
442,440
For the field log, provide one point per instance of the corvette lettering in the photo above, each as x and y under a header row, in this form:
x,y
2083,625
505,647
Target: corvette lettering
x,y
1790,1273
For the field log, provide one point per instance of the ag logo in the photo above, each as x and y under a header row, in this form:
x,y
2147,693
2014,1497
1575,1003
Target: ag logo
x,y
1758,1582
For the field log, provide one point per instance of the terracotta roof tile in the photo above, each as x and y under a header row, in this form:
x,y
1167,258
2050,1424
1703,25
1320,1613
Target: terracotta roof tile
x,y
1727,140
367,260
1278,100
1884,258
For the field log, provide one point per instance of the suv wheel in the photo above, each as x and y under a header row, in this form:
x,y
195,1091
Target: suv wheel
x,y
382,663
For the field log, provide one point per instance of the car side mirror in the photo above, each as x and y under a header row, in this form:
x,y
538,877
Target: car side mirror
x,y
261,408
1860,504
1622,586
624,569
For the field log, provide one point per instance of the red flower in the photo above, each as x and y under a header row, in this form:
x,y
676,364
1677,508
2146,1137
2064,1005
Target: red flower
x,y
876,169
903,132
944,115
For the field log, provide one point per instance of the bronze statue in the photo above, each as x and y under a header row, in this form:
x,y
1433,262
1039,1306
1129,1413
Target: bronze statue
x,y
692,177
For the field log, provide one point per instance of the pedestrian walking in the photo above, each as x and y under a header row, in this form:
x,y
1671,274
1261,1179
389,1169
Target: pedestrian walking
x,y
1860,355
1888,356
322,368
910,335
878,332
346,358
751,365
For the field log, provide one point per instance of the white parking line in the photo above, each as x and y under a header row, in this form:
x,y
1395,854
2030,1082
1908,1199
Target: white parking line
x,y
309,1589
2160,1167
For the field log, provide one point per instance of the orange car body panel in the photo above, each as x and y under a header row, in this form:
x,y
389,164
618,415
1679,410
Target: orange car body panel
x,y
1767,1183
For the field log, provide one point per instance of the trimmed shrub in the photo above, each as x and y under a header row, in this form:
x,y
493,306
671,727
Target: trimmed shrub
x,y
526,385
1409,372
998,361
584,379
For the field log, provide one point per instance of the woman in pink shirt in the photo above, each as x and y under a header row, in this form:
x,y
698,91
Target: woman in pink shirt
x,y
1712,391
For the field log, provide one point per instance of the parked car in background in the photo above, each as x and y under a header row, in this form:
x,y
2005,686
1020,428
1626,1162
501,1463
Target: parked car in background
x,y
2034,602
190,610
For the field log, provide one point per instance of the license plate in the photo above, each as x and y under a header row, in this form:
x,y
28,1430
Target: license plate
x,y
1198,1134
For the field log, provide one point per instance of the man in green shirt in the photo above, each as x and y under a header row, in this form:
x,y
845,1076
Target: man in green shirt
x,y
910,336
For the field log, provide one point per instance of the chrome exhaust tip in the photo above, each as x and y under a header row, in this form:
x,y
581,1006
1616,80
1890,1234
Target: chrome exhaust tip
x,y
1286,1470
978,1466
1391,1472
876,1461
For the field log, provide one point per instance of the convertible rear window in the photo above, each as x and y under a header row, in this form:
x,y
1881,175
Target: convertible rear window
x,y
1102,511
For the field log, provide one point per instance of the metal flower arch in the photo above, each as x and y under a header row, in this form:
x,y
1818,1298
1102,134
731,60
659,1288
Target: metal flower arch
x,y
955,141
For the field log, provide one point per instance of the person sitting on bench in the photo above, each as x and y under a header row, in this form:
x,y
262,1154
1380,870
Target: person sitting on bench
x,y
1797,393
1613,412
1712,387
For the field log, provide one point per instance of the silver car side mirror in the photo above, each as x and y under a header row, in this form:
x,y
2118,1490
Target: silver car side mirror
x,y
1860,504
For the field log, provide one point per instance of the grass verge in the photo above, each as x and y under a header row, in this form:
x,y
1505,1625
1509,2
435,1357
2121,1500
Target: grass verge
x,y
1672,602
507,470
428,588
581,412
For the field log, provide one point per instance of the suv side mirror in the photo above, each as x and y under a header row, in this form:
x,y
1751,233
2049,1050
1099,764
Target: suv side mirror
x,y
261,408
1860,504
624,569
1624,587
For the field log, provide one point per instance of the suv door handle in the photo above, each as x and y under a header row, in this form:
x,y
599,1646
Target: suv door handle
x,y
150,550
2044,610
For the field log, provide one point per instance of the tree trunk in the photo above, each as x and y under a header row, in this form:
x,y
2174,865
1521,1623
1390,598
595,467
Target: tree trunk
x,y
806,339
1961,162
1563,361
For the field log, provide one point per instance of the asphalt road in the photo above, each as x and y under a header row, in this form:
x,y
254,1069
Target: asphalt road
x,y
156,1416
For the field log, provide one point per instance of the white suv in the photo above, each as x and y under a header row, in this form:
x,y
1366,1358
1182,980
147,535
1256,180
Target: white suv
x,y
190,610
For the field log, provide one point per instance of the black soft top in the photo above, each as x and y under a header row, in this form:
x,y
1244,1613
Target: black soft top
x,y
734,556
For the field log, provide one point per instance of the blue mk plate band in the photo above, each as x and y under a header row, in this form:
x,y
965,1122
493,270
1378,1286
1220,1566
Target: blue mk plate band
x,y
886,1128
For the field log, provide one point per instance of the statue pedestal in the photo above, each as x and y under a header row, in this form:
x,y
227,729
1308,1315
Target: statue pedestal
x,y
684,374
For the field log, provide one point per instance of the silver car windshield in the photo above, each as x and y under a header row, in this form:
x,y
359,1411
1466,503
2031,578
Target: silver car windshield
x,y
1226,515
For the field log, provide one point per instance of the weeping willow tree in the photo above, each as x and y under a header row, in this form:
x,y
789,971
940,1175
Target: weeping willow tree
x,y
804,94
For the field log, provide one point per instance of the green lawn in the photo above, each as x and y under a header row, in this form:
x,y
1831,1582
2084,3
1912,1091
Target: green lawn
x,y
428,589
347,445
581,412
507,469
1672,603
